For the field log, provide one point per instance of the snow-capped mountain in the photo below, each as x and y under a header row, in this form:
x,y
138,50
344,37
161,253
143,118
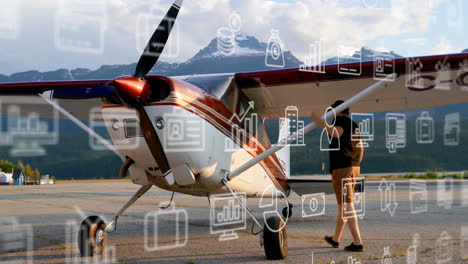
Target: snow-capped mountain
x,y
242,46
248,54
365,54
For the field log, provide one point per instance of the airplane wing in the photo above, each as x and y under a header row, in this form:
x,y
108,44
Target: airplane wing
x,y
89,93
421,82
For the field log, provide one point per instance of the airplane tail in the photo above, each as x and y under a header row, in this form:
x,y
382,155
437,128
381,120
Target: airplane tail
x,y
284,154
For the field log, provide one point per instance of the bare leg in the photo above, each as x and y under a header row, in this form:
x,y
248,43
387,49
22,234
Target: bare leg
x,y
340,224
354,226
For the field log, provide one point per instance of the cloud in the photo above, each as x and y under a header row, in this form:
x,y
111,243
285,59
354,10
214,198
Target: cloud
x,y
300,23
444,46
415,41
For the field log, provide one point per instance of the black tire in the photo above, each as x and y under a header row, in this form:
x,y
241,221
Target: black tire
x,y
275,243
92,237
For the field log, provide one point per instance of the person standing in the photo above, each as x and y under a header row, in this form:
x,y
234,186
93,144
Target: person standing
x,y
345,162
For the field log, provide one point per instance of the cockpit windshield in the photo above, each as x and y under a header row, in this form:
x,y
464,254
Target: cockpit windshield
x,y
220,86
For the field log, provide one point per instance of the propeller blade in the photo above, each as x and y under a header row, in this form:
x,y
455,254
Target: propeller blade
x,y
157,42
152,139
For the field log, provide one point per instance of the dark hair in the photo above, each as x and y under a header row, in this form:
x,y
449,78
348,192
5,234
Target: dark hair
x,y
339,102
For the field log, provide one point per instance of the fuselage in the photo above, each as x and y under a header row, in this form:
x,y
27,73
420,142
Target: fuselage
x,y
204,135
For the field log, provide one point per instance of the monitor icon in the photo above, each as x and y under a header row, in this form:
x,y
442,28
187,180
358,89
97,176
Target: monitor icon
x,y
227,215
365,131
30,125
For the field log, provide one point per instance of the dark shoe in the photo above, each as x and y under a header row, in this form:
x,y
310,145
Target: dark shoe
x,y
354,248
331,242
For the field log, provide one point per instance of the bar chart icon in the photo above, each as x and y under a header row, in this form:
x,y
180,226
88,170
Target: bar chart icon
x,y
365,131
314,62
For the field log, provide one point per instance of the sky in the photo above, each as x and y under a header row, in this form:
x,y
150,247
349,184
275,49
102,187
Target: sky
x,y
52,34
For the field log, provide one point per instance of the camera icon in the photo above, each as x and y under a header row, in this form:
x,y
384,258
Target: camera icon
x,y
313,204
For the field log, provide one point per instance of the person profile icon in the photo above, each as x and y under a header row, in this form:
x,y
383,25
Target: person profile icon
x,y
325,138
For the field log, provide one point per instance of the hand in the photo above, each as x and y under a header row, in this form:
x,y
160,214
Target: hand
x,y
315,117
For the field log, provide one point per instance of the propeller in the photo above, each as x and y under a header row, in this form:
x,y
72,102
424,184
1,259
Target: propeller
x,y
135,91
157,42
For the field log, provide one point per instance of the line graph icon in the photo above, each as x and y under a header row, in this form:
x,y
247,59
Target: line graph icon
x,y
243,129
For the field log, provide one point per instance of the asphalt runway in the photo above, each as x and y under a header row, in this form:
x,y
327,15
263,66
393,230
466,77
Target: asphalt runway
x,y
52,212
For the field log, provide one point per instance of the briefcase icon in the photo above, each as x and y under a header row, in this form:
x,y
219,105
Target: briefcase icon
x,y
166,230
425,129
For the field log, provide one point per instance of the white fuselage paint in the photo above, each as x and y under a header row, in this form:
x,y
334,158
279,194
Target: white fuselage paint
x,y
209,164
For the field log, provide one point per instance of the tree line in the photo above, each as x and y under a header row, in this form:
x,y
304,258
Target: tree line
x,y
30,174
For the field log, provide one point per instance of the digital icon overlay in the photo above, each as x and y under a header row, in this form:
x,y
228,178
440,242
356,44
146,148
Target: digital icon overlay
x,y
365,131
357,207
243,128
226,41
314,62
230,218
294,125
418,196
313,204
158,224
274,53
395,131
425,133
388,201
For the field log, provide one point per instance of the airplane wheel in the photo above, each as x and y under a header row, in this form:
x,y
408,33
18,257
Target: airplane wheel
x,y
275,243
92,236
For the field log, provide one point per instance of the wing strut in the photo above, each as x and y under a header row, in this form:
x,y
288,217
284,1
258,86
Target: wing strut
x,y
285,141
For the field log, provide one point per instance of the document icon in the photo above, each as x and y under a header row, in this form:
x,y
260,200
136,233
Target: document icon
x,y
418,196
184,132
452,129
80,26
384,66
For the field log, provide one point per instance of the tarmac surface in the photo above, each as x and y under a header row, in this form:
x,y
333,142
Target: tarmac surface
x,y
52,213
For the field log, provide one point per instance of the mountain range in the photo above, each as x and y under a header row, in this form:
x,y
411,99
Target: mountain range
x,y
249,55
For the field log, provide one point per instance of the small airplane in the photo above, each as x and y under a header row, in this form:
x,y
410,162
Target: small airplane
x,y
212,100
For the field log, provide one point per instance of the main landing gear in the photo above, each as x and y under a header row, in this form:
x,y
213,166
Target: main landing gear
x,y
273,236
93,230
